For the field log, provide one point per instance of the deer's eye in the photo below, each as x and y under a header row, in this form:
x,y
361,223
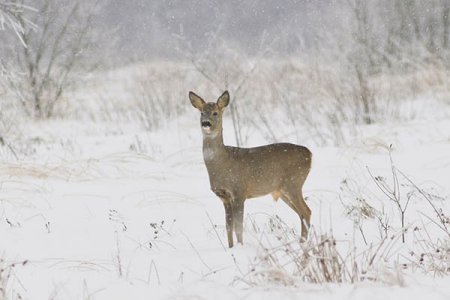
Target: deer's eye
x,y
215,113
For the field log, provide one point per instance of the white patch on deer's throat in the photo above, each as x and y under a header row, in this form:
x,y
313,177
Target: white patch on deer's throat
x,y
208,154
207,134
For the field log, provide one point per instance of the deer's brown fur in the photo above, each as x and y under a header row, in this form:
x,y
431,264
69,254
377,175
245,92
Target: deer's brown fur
x,y
237,174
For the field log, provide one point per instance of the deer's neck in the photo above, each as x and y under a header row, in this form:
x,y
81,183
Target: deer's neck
x,y
213,147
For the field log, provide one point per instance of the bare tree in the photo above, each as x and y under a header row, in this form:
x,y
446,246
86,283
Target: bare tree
x,y
445,24
10,12
60,43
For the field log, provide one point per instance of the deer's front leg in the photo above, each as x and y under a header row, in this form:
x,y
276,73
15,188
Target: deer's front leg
x,y
229,220
226,198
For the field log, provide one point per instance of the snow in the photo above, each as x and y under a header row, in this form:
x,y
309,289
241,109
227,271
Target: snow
x,y
88,215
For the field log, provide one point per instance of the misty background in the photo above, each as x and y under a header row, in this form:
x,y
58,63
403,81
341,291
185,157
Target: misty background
x,y
149,29
324,66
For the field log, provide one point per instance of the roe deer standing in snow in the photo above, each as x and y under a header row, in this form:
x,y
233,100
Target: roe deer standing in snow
x,y
236,174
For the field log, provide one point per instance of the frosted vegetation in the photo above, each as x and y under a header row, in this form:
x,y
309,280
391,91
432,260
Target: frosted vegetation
x,y
103,191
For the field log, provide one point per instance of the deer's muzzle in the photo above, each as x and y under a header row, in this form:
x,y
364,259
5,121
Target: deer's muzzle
x,y
206,124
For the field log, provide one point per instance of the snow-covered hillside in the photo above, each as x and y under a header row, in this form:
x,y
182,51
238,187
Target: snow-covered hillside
x,y
109,211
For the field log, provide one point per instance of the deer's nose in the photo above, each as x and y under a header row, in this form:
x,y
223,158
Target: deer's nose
x,y
206,124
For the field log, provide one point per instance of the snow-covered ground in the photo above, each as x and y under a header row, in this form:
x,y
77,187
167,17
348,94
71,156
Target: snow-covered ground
x,y
108,211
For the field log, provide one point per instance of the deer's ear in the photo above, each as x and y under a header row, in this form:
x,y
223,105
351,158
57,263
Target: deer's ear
x,y
196,101
223,100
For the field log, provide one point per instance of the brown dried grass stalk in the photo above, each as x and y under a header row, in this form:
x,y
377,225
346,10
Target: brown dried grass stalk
x,y
286,260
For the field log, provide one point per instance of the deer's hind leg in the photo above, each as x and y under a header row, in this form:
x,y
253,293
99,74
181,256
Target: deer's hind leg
x,y
294,199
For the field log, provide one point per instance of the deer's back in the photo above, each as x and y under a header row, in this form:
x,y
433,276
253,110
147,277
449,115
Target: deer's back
x,y
261,170
281,160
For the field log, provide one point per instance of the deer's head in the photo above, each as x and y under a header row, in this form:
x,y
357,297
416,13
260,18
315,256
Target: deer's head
x,y
211,112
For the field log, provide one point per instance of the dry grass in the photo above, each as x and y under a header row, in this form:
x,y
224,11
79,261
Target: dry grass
x,y
7,277
429,255
316,101
109,166
285,260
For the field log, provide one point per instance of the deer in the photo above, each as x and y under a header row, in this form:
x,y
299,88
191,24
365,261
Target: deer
x,y
237,174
